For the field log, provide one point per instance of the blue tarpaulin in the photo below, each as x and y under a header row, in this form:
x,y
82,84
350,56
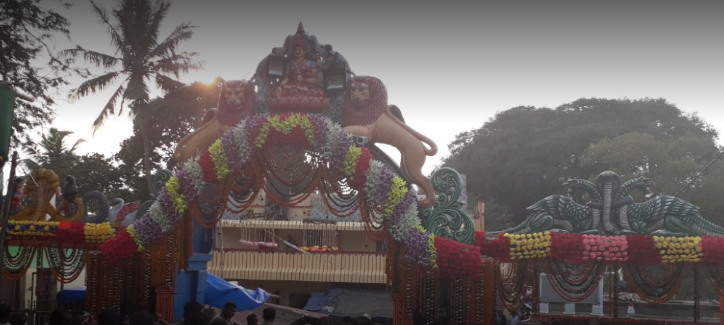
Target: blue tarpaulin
x,y
219,291
72,295
317,301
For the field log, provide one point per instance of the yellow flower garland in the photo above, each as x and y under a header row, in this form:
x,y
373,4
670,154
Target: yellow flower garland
x,y
98,232
220,164
679,249
178,201
137,240
524,246
397,192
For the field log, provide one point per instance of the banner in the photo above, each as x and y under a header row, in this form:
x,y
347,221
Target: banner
x,y
7,109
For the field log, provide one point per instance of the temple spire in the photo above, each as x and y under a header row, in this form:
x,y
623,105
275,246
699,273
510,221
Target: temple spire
x,y
300,29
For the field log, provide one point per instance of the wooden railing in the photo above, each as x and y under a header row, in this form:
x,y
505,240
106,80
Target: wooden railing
x,y
350,268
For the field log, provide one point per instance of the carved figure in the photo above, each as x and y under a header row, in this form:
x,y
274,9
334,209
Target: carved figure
x,y
367,114
18,196
301,86
236,102
612,211
45,184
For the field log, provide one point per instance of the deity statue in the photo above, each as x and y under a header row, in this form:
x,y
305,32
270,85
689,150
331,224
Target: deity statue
x,y
18,194
301,87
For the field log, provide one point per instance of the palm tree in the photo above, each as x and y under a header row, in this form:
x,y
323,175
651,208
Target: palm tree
x,y
134,34
52,152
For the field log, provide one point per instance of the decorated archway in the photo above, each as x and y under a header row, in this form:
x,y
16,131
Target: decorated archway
x,y
256,154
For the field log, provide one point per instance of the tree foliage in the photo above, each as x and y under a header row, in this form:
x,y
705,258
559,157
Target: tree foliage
x,y
26,33
171,118
93,172
521,155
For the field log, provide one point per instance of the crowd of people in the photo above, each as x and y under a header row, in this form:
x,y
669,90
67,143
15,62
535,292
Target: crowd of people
x,y
193,315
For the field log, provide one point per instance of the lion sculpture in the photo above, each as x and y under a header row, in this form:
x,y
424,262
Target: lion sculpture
x,y
236,102
366,113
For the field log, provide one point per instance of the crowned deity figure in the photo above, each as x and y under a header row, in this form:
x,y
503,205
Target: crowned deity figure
x,y
301,87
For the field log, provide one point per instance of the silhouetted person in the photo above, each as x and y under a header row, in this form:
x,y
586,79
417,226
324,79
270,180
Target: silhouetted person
x,y
60,316
18,318
108,316
217,321
252,319
190,308
269,315
197,319
141,319
78,317
5,312
227,313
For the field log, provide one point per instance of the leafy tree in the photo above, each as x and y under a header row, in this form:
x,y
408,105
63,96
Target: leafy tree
x,y
134,28
52,152
171,118
93,172
522,154
497,217
26,29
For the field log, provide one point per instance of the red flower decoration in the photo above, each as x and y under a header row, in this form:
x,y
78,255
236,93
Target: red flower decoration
x,y
363,164
713,248
498,248
70,232
120,247
208,167
458,259
642,249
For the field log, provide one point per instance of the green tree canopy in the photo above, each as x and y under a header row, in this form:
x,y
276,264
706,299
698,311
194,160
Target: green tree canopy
x,y
93,172
26,34
521,155
171,118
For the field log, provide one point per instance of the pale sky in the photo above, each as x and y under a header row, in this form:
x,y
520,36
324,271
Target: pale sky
x,y
449,65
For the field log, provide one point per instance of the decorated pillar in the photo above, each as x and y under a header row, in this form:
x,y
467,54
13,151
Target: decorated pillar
x,y
191,281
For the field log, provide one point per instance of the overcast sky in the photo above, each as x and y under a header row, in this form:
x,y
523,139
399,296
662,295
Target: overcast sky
x,y
449,65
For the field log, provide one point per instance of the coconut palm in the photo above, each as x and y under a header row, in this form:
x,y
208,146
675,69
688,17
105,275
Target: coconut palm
x,y
139,59
52,152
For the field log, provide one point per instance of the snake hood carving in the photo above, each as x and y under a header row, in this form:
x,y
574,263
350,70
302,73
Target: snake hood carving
x,y
612,211
41,189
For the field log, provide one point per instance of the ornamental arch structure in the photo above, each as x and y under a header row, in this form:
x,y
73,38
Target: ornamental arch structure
x,y
313,128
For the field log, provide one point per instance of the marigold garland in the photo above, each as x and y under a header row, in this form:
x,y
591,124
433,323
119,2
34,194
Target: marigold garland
x,y
679,249
535,245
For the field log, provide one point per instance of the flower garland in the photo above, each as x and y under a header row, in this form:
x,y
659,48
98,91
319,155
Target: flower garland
x,y
713,249
316,132
20,228
63,231
567,247
535,245
458,259
679,249
70,232
499,248
606,248
642,249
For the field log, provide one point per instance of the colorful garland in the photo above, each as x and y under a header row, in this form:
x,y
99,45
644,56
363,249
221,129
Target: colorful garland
x,y
312,131
63,231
